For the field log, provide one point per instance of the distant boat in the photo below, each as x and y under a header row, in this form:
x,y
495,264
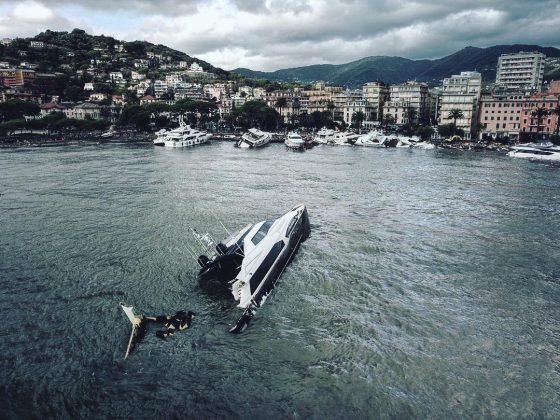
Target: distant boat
x,y
254,138
182,136
294,141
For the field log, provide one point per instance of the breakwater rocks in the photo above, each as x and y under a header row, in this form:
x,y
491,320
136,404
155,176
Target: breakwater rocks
x,y
36,140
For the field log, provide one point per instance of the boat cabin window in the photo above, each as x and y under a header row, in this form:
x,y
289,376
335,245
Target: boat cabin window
x,y
261,233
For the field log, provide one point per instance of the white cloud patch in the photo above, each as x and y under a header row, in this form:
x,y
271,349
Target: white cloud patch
x,y
273,34
32,12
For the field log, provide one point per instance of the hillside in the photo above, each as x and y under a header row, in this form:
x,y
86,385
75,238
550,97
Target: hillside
x,y
398,69
71,51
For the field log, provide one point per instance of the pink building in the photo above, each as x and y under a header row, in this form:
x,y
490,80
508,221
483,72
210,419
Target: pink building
x,y
500,116
529,123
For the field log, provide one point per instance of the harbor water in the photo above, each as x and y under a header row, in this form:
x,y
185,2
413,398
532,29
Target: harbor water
x,y
429,288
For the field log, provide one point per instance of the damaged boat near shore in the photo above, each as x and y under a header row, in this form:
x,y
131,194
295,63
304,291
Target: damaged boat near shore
x,y
250,262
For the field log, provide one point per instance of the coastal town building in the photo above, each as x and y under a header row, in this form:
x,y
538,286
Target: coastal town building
x,y
6,41
137,76
37,44
415,96
376,93
16,77
363,106
461,92
500,115
98,97
522,71
148,99
50,108
84,111
531,123
340,99
398,112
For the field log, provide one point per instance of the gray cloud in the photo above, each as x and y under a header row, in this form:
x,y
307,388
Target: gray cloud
x,y
272,34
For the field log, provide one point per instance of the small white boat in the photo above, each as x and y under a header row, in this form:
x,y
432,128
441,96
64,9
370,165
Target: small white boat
x,y
294,141
254,138
548,153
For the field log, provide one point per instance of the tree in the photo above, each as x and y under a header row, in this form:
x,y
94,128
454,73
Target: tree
x,y
16,108
331,107
539,113
135,115
387,120
411,114
556,111
281,103
455,114
357,119
425,133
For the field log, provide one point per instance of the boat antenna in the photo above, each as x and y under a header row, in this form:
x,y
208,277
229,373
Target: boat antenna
x,y
209,210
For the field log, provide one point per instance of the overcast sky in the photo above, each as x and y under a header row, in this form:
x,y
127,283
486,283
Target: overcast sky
x,y
273,34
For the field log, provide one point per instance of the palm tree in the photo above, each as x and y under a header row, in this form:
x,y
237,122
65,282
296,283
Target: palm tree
x,y
281,103
331,106
358,118
556,111
455,114
539,113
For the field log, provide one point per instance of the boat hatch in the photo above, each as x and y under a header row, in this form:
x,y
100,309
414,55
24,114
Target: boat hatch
x,y
261,233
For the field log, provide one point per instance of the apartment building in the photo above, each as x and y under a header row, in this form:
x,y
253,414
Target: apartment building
x,y
363,106
522,71
500,116
376,93
16,77
529,121
461,92
416,96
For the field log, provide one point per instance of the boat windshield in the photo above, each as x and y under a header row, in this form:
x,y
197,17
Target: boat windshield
x,y
261,233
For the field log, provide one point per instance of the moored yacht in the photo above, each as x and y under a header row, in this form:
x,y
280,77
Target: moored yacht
x,y
294,141
186,137
254,138
549,153
250,262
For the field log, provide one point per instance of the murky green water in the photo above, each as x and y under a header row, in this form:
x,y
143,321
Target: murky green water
x,y
430,287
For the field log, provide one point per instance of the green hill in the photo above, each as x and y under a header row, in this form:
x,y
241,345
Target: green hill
x,y
398,69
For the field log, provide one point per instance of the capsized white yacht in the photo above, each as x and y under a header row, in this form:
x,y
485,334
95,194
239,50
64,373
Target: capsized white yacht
x,y
372,139
538,152
324,136
294,141
254,138
250,262
345,138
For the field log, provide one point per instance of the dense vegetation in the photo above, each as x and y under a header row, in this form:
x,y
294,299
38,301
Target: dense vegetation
x,y
71,51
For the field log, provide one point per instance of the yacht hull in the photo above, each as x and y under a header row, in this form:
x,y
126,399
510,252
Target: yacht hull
x,y
251,282
301,232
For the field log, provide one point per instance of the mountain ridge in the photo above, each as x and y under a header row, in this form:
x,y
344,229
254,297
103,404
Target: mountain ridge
x,y
394,69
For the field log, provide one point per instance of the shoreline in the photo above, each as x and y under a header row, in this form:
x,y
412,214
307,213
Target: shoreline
x,y
89,138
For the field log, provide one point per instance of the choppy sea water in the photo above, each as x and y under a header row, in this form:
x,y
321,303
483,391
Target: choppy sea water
x,y
430,287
